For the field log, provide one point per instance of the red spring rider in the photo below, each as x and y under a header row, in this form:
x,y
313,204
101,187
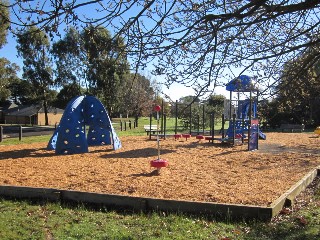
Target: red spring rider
x,y
158,163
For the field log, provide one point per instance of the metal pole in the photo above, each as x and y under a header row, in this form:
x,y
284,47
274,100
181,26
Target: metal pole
x,y
257,116
203,120
234,128
230,106
162,111
190,120
150,126
164,125
222,130
212,127
198,120
249,124
20,133
176,124
1,133
158,136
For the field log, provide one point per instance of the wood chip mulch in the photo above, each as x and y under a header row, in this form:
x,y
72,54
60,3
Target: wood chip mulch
x,y
197,171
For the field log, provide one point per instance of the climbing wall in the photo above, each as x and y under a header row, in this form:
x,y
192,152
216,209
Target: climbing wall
x,y
81,114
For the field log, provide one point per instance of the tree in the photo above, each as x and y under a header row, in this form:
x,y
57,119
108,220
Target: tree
x,y
189,106
8,71
8,74
22,92
4,22
137,96
299,88
33,47
106,66
95,59
215,104
68,92
69,59
196,43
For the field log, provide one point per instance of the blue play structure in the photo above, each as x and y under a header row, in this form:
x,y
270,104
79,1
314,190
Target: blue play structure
x,y
70,136
242,121
242,114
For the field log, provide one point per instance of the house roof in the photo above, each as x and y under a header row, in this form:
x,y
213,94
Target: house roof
x,y
30,110
7,105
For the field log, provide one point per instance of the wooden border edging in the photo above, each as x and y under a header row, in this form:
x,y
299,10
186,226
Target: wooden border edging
x,y
30,193
231,211
287,199
220,210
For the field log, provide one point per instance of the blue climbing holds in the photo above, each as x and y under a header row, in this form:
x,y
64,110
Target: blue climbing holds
x,y
70,136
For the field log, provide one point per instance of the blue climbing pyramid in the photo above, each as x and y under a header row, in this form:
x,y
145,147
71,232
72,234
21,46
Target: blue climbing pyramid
x,y
70,136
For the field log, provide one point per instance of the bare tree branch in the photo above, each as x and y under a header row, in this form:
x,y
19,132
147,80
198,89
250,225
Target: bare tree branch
x,y
197,43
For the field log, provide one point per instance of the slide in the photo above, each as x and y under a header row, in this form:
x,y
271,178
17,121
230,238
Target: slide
x,y
262,135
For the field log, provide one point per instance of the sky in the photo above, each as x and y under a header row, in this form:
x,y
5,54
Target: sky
x,y
175,92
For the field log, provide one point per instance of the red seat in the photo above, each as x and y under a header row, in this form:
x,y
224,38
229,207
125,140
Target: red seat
x,y
199,137
177,136
159,163
186,136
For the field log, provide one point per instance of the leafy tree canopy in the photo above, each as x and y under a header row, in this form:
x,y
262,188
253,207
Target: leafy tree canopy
x,y
4,22
299,88
198,43
22,92
68,92
33,47
8,74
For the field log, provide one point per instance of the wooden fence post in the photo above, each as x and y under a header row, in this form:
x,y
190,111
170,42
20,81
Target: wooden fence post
x,y
20,133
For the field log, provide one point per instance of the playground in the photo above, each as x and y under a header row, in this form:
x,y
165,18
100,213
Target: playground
x,y
197,171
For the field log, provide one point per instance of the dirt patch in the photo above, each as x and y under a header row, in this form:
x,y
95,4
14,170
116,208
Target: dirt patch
x,y
197,171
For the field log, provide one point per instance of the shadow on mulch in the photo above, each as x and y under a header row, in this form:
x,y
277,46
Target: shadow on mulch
x,y
275,148
148,174
25,153
137,153
226,146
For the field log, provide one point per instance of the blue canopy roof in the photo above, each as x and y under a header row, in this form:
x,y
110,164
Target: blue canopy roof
x,y
243,83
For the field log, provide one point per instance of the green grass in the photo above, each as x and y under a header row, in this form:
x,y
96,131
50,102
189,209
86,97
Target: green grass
x,y
29,220
138,131
25,140
170,126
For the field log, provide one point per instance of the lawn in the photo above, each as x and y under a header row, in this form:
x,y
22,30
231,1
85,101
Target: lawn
x,y
43,220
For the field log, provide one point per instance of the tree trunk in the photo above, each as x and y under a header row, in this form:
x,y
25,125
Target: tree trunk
x,y
136,118
45,108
